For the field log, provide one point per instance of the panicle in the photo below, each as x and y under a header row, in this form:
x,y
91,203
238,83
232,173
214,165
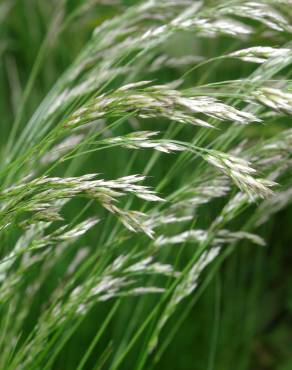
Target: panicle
x,y
183,289
240,171
158,101
260,12
259,54
141,140
275,99
219,238
40,195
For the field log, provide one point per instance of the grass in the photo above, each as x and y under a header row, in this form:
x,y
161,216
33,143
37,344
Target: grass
x,y
145,184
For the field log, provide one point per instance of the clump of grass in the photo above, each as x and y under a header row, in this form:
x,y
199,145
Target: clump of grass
x,y
106,180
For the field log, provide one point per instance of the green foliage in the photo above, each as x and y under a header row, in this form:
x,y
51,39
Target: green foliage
x,y
145,173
